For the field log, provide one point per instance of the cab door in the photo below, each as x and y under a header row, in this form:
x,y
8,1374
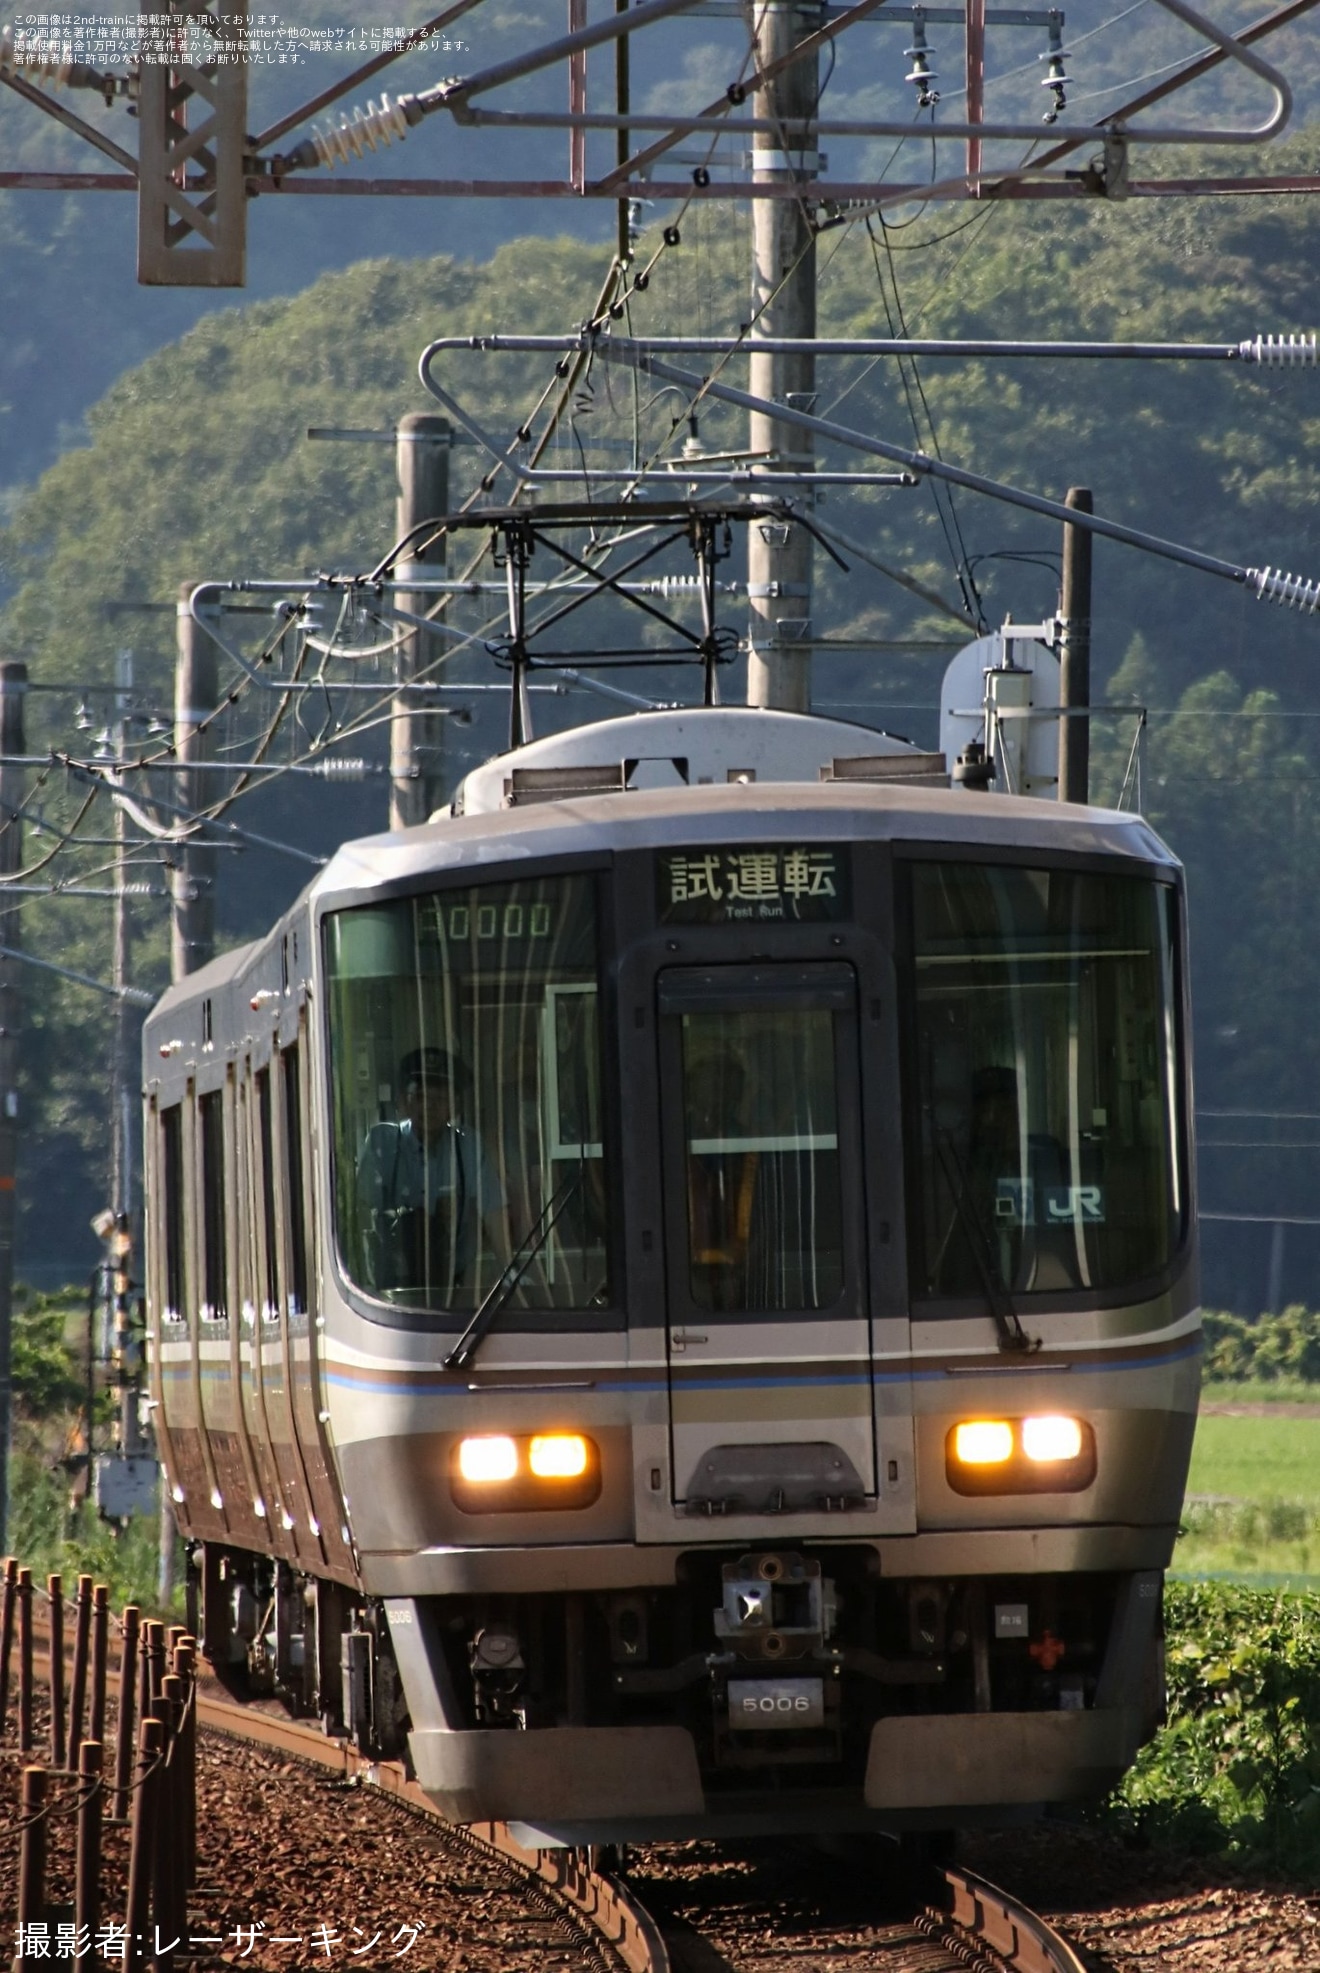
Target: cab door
x,y
770,1380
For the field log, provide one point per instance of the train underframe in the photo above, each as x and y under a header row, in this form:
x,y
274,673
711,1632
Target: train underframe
x,y
764,1687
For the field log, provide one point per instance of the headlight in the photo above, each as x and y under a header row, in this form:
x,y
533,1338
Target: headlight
x,y
1046,1439
1045,1454
558,1456
503,1473
983,1442
487,1462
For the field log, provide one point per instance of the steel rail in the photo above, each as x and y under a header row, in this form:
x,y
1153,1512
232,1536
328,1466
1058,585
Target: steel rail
x,y
979,1914
992,1919
607,1907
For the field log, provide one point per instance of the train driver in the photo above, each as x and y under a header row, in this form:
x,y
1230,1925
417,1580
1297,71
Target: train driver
x,y
426,1187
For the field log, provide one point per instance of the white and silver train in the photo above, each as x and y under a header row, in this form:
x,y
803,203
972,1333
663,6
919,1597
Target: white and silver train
x,y
673,1287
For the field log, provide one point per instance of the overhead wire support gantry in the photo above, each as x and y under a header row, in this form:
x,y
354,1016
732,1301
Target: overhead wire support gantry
x,y
196,170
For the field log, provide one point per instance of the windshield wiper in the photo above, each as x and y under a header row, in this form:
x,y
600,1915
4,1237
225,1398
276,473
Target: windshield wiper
x,y
506,1286
1008,1325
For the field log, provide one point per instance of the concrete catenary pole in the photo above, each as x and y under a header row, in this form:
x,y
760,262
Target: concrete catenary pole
x,y
1075,654
196,683
783,304
125,1078
192,890
13,687
422,465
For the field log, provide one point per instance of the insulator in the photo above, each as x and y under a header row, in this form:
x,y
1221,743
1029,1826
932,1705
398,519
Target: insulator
x,y
1056,77
60,71
353,137
1281,352
1293,591
342,767
921,75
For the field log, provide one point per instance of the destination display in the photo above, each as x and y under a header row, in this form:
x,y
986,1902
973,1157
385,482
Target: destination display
x,y
767,883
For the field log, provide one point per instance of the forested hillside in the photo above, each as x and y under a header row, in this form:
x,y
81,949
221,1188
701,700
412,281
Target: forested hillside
x,y
198,467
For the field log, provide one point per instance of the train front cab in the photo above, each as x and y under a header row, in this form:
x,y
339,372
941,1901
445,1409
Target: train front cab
x,y
822,1461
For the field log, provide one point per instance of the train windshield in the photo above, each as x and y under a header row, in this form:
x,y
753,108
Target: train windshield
x,y
1048,1154
466,1074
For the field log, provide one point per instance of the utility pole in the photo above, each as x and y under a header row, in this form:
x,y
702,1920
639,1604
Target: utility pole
x,y
784,304
421,452
13,686
125,1079
192,883
192,886
1075,654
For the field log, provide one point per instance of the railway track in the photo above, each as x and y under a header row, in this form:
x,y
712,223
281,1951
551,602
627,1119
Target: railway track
x,y
967,1926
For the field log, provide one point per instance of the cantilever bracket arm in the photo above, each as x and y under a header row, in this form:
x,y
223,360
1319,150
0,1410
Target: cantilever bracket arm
x,y
70,119
1266,583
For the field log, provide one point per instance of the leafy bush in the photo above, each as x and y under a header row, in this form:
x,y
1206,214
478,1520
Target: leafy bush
x,y
51,1528
47,1377
1237,1768
1272,1348
52,1535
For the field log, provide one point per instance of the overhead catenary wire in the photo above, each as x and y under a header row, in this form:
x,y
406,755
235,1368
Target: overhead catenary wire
x,y
196,822
136,995
945,509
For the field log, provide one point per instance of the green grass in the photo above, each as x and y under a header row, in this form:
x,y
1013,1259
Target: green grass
x,y
1252,1541
1257,1459
1254,1508
1256,1390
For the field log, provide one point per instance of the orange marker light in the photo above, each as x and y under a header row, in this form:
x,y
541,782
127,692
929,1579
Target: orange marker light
x,y
483,1462
558,1456
1047,1440
983,1442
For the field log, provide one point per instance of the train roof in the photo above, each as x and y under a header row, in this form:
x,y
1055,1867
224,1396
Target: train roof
x,y
656,818
568,819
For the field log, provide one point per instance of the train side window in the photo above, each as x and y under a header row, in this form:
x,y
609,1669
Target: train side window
x,y
293,1173
270,1304
215,1285
171,1138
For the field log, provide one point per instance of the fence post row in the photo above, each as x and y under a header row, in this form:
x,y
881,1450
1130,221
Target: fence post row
x,y
87,1860
25,1661
128,1668
185,1666
32,1852
169,1857
7,1635
152,1786
55,1592
100,1643
142,1833
82,1637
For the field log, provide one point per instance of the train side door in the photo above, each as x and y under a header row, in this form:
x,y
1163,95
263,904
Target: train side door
x,y
768,1323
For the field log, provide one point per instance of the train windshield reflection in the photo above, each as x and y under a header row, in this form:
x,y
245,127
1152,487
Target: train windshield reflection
x,y
1048,1157
466,1070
